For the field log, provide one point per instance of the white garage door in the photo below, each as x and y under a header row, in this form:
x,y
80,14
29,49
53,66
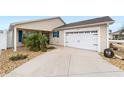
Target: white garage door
x,y
82,39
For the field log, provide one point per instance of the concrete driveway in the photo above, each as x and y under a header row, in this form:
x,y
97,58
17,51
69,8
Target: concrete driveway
x,y
67,62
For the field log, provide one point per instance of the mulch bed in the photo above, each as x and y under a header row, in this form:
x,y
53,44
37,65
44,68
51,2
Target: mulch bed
x,y
7,66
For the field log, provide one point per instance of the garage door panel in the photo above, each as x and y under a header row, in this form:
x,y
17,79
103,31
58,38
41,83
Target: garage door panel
x,y
84,40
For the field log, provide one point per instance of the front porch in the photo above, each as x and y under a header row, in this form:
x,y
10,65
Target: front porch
x,y
20,34
20,29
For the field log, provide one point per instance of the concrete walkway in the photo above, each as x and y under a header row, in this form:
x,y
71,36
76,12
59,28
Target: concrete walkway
x,y
67,62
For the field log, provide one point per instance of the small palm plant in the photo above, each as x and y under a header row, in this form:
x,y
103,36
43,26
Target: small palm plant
x,y
37,42
44,43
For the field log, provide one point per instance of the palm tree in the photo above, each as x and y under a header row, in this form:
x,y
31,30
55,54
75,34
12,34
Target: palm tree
x,y
43,43
37,42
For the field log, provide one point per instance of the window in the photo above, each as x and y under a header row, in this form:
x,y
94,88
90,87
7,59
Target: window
x,y
56,34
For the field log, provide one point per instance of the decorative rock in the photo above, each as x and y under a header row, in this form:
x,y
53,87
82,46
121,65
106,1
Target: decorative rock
x,y
7,66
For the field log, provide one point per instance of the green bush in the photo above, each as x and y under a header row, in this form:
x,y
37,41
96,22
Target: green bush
x,y
44,41
37,42
18,57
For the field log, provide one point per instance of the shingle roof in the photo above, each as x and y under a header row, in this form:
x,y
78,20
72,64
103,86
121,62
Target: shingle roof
x,y
87,22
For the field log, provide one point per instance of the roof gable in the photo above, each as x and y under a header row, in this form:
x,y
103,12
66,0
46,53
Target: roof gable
x,y
41,24
38,20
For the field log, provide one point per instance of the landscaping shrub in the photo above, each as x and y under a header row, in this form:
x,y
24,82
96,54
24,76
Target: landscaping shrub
x,y
44,41
37,42
18,57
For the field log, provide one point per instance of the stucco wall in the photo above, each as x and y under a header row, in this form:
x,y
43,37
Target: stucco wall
x,y
103,37
57,41
47,25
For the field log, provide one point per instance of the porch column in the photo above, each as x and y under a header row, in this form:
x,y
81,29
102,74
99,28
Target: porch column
x,y
107,35
15,39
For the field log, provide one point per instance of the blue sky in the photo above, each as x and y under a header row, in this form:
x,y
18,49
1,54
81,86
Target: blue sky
x,y
6,20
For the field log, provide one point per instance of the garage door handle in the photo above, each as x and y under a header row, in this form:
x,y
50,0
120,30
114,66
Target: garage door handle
x,y
95,34
95,44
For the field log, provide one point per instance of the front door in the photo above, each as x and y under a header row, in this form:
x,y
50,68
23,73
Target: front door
x,y
20,38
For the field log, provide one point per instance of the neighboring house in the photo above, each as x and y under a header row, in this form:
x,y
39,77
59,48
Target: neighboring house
x,y
116,35
3,39
89,34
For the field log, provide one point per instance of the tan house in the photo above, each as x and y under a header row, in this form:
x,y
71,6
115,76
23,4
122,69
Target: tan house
x,y
89,34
